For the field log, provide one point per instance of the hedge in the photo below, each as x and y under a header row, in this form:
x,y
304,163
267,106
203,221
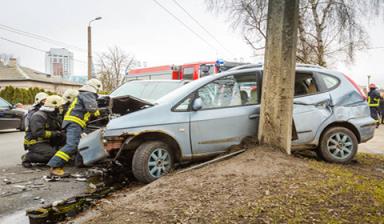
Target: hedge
x,y
21,95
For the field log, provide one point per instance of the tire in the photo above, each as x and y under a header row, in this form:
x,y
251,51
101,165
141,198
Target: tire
x,y
338,145
146,164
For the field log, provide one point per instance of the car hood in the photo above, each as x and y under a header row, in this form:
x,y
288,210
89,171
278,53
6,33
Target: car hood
x,y
149,116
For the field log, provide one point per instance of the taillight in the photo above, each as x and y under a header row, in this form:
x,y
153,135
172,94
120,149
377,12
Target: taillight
x,y
356,86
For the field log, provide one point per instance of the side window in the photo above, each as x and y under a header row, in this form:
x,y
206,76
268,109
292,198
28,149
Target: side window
x,y
229,91
184,105
305,84
329,81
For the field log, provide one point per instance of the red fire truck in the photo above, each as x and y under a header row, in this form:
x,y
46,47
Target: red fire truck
x,y
189,71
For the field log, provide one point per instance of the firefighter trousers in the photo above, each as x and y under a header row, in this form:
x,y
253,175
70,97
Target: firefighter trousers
x,y
375,114
39,153
73,135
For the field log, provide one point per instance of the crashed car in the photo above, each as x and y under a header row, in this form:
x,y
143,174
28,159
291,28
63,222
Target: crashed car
x,y
207,116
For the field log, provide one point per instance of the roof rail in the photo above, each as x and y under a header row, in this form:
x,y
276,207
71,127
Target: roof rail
x,y
260,65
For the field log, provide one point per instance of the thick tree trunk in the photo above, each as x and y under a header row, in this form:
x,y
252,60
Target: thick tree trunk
x,y
275,127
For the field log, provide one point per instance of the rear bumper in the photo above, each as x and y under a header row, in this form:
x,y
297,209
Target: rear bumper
x,y
366,128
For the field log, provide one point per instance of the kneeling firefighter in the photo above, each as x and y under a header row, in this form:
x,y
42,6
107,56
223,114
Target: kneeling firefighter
x,y
75,120
43,133
40,99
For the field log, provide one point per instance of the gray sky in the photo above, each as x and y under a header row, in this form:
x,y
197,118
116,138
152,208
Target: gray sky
x,y
145,30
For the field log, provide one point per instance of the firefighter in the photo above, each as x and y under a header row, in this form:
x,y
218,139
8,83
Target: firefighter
x,y
374,103
68,96
40,99
75,120
43,133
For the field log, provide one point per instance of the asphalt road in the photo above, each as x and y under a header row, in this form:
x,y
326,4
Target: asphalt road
x,y
11,147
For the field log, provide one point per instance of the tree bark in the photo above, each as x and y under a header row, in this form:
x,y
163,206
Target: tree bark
x,y
275,127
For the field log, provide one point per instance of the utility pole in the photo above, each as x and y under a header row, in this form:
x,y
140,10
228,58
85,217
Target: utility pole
x,y
90,48
275,127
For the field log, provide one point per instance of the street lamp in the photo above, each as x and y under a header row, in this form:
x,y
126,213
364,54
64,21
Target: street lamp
x,y
90,47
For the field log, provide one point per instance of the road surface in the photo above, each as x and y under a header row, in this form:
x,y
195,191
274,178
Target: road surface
x,y
11,147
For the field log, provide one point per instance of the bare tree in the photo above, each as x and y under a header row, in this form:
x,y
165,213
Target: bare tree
x,y
112,67
327,28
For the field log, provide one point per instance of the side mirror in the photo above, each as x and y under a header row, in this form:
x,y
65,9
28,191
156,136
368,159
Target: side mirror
x,y
197,104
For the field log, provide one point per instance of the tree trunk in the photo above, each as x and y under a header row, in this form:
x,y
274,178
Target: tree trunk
x,y
275,127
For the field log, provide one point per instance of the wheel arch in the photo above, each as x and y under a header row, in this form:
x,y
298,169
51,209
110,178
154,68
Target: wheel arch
x,y
344,124
154,136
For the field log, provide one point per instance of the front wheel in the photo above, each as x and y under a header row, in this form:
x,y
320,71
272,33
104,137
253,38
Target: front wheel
x,y
338,145
151,160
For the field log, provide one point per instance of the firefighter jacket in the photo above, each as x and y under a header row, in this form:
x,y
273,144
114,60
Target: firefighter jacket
x,y
81,109
42,127
374,98
34,109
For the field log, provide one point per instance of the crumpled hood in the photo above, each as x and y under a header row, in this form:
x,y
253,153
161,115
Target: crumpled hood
x,y
150,116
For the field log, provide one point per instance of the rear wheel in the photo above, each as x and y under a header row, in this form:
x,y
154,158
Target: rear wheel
x,y
338,145
151,161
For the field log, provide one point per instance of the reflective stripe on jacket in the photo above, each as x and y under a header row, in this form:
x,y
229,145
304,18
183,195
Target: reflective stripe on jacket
x,y
81,109
41,126
373,98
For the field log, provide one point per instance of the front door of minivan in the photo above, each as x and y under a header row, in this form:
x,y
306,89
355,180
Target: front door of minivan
x,y
311,108
229,112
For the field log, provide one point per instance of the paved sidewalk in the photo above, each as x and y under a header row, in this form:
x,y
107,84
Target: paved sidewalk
x,y
375,145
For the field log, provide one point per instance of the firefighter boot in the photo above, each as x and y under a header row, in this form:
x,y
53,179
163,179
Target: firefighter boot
x,y
24,162
57,171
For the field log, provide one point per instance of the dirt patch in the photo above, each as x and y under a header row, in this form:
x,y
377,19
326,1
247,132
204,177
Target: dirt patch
x,y
259,186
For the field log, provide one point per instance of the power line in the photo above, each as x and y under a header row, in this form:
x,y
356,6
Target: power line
x,y
32,47
201,26
185,25
40,37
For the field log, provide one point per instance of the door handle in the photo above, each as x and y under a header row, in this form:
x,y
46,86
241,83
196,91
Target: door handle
x,y
254,116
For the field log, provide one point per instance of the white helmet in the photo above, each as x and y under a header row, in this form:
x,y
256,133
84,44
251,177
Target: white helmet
x,y
40,97
95,83
54,101
70,94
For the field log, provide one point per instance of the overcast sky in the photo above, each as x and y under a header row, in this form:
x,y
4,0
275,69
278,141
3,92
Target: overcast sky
x,y
145,30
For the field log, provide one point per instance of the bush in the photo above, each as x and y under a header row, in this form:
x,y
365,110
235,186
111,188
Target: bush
x,y
21,95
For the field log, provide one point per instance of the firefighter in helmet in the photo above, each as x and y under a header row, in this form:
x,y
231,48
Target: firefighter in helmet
x,y
43,132
40,99
68,96
82,108
374,102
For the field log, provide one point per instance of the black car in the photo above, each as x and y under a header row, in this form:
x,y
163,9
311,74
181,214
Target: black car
x,y
10,116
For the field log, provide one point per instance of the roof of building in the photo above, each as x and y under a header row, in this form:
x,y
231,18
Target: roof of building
x,y
14,72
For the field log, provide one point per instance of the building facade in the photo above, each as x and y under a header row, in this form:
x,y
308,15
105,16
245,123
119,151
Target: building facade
x,y
12,74
59,62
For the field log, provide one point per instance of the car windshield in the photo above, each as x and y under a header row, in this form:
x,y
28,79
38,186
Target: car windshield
x,y
146,90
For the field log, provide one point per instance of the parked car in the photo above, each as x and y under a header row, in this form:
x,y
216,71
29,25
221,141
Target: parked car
x,y
207,116
11,117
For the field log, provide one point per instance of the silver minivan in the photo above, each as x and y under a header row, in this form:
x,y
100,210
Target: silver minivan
x,y
207,116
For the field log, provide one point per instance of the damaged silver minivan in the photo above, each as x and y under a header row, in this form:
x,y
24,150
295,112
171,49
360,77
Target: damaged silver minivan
x,y
207,116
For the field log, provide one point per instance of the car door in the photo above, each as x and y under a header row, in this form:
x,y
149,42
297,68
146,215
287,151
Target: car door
x,y
8,118
228,113
311,107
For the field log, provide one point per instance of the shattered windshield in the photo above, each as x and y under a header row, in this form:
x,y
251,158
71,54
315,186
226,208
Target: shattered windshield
x,y
146,90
